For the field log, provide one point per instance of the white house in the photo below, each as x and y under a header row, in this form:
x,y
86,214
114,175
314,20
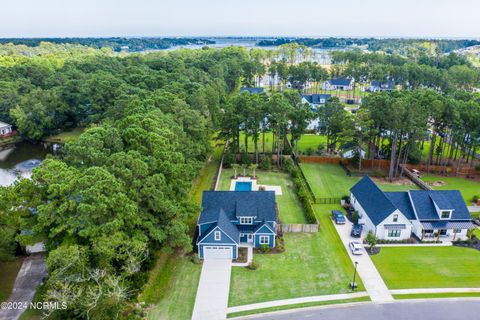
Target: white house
x,y
425,213
5,129
378,86
338,84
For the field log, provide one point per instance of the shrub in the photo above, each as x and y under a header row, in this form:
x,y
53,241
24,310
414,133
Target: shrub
x,y
245,158
371,240
355,217
346,198
253,265
228,160
266,163
320,148
265,248
195,259
475,198
309,151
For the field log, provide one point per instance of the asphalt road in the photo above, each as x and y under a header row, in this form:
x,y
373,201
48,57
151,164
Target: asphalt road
x,y
438,309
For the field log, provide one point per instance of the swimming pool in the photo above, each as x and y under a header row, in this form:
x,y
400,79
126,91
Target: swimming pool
x,y
243,186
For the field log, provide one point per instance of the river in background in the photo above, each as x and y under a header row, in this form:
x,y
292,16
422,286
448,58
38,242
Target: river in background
x,y
20,160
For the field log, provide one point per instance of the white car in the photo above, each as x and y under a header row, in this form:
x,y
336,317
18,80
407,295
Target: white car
x,y
355,247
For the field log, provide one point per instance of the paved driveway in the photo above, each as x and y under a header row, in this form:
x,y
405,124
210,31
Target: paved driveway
x,y
212,295
371,278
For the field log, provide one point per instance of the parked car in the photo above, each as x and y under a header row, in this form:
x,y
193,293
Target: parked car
x,y
355,247
356,231
338,217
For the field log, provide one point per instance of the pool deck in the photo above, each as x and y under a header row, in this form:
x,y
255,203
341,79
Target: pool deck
x,y
255,186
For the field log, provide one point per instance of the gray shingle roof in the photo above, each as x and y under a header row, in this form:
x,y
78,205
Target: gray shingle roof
x,y
373,200
423,203
401,200
262,202
340,81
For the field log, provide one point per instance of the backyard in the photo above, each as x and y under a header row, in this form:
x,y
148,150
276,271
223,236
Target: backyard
x,y
330,181
312,264
306,141
289,206
467,187
428,267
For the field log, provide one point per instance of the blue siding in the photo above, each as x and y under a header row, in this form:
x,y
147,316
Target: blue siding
x,y
257,240
224,239
200,250
244,238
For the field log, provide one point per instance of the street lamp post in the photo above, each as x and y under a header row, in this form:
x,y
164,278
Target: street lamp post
x,y
354,285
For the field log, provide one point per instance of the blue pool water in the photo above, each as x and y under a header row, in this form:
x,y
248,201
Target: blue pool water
x,y
243,186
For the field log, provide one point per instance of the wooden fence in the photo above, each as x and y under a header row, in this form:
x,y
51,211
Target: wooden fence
x,y
297,228
318,159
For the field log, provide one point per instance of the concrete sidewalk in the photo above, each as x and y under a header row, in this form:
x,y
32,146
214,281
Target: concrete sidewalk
x,y
369,274
211,301
285,302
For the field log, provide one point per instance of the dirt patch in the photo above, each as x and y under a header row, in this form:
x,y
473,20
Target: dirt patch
x,y
374,251
437,183
398,181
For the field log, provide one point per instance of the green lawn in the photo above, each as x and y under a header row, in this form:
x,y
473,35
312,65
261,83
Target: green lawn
x,y
172,283
467,187
436,295
8,271
312,264
65,136
306,141
429,267
289,206
330,181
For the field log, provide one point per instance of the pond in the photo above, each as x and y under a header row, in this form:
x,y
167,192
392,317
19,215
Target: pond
x,y
20,160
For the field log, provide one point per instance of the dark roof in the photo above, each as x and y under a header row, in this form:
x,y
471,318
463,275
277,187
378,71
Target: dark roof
x,y
245,209
340,81
264,223
251,90
401,200
423,203
373,200
388,85
262,202
447,225
316,98
225,225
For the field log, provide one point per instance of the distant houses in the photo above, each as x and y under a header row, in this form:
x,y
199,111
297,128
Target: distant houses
x,y
254,90
5,129
378,86
338,84
315,99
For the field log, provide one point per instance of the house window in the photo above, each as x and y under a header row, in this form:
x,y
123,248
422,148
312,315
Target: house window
x,y
394,233
246,220
264,239
218,236
445,214
395,218
457,230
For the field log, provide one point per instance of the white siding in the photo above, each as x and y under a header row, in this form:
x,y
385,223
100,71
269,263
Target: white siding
x,y
382,233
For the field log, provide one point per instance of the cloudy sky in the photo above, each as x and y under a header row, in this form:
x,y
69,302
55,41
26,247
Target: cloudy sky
x,y
320,18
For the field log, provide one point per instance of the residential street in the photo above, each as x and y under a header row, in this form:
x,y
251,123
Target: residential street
x,y
440,309
371,278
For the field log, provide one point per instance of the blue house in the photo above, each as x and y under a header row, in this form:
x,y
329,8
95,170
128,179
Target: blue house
x,y
256,90
338,84
230,219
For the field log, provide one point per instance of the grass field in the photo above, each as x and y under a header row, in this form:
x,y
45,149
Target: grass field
x,y
330,181
172,284
312,264
467,187
289,206
306,141
428,267
8,271
436,295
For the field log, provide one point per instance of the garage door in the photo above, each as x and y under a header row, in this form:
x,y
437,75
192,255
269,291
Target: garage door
x,y
217,252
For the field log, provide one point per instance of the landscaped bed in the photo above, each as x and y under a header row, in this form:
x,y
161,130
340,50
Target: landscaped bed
x,y
428,267
467,187
331,181
289,206
312,264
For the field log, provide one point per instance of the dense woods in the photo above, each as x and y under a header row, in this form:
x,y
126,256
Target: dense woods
x,y
119,191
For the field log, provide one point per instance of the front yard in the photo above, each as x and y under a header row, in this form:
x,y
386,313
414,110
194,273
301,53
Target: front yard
x,y
428,267
467,187
330,181
289,206
312,264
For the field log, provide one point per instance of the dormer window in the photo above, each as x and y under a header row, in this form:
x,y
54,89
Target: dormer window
x,y
395,218
246,220
445,214
218,236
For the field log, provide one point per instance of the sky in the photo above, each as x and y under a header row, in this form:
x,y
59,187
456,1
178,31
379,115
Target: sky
x,y
320,18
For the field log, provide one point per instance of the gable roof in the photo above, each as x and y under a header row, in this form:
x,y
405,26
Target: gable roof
x,y
373,200
316,98
340,81
423,202
251,90
261,202
225,225
264,224
401,200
